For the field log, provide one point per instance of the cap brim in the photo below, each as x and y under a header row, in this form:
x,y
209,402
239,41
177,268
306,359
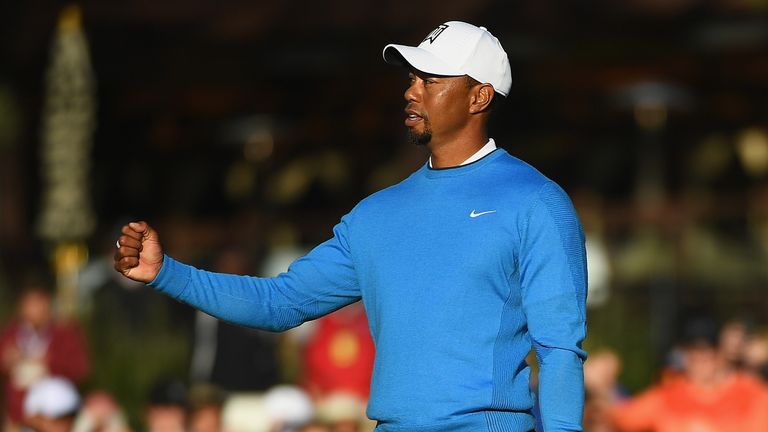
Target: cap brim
x,y
418,58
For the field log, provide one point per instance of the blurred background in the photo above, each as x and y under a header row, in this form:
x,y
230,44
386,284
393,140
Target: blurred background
x,y
244,130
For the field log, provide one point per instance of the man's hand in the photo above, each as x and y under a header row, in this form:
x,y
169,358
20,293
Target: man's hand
x,y
139,255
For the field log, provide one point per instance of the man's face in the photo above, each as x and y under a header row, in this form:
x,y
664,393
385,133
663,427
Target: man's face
x,y
35,308
39,423
437,107
165,418
701,362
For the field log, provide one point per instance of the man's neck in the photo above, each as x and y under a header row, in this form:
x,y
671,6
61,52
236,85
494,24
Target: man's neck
x,y
455,152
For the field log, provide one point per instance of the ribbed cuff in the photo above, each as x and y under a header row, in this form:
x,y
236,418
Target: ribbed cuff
x,y
173,277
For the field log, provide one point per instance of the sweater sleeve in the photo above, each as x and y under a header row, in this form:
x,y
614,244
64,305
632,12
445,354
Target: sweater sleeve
x,y
319,283
553,279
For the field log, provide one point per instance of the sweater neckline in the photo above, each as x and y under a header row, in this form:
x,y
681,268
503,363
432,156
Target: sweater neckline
x,y
461,169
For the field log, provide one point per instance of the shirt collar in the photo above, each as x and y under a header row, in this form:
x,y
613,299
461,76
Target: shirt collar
x,y
484,151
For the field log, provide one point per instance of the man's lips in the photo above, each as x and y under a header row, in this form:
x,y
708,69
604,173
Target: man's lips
x,y
413,117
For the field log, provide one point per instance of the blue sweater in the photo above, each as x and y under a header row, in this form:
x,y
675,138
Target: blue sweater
x,y
462,271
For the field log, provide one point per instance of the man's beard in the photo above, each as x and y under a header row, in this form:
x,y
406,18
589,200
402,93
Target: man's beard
x,y
422,138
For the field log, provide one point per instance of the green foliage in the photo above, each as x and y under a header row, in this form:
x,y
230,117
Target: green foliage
x,y
127,361
622,326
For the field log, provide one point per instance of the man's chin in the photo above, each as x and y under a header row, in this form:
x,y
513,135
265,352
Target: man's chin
x,y
419,138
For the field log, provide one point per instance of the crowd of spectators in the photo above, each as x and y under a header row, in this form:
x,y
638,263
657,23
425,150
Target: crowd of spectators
x,y
53,404
713,379
46,362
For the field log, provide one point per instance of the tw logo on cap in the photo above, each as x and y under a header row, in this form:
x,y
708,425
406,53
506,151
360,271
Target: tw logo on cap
x,y
435,33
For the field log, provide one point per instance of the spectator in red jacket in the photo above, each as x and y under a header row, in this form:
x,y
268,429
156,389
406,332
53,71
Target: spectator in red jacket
x,y
33,346
338,357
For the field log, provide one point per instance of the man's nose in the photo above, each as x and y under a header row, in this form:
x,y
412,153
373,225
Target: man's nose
x,y
410,94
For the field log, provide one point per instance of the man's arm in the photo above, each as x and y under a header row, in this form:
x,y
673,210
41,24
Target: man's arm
x,y
554,282
317,284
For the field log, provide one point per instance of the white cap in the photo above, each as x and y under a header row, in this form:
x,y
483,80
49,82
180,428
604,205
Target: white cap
x,y
288,405
51,397
454,49
245,413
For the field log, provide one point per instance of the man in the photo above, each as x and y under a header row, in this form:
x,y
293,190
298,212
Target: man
x,y
51,405
167,407
709,395
34,345
462,267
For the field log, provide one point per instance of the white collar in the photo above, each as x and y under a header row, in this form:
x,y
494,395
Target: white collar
x,y
484,151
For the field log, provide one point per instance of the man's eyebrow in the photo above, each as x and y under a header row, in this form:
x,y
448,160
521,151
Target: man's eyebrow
x,y
423,75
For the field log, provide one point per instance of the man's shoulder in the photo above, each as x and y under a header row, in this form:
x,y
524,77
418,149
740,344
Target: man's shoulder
x,y
508,164
10,329
389,195
517,176
749,385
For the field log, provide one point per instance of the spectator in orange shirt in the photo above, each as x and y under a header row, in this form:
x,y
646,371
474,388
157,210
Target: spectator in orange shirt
x,y
708,396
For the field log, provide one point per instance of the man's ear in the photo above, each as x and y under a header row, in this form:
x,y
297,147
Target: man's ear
x,y
481,98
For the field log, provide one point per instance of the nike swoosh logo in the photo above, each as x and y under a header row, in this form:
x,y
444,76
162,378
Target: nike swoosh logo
x,y
474,215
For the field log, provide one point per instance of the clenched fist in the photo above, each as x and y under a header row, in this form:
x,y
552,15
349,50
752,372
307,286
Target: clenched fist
x,y
139,255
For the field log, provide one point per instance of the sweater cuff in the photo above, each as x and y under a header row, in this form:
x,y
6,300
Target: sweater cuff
x,y
172,278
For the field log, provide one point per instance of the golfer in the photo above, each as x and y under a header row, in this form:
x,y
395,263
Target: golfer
x,y
463,267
